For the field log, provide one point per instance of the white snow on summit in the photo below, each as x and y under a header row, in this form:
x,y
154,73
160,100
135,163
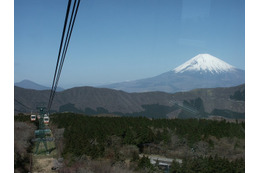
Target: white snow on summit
x,y
204,62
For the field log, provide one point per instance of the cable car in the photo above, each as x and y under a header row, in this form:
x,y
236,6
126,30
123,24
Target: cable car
x,y
46,119
33,117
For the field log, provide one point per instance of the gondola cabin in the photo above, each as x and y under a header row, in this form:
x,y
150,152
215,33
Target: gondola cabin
x,y
46,120
33,117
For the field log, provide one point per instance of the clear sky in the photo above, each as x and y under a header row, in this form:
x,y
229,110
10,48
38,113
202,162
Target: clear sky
x,y
121,40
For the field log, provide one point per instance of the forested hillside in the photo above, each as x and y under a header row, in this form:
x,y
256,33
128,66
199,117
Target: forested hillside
x,y
92,101
115,143
121,139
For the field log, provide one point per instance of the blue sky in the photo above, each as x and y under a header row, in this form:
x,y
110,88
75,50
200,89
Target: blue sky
x,y
120,40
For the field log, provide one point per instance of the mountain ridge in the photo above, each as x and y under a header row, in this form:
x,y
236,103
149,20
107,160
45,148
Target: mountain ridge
x,y
187,77
89,100
28,84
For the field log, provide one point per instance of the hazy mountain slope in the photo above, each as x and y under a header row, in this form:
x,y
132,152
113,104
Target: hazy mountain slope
x,y
27,84
82,98
202,71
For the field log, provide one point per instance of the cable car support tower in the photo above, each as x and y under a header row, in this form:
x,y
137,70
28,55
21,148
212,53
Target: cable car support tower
x,y
42,135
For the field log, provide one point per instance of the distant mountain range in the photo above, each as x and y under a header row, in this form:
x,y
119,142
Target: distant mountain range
x,y
27,84
202,71
171,94
228,102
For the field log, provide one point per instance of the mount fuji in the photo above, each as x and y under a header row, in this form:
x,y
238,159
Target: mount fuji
x,y
205,63
201,71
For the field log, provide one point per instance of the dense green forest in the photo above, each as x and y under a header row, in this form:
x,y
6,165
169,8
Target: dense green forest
x,y
122,138
209,164
89,135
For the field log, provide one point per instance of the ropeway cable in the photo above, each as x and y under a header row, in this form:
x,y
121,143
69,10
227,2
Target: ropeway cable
x,y
64,29
60,59
69,31
71,24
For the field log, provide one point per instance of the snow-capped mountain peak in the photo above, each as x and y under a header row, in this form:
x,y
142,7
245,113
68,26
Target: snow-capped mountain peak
x,y
204,63
202,71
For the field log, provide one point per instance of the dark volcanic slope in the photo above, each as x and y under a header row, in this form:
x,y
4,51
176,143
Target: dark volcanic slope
x,y
119,101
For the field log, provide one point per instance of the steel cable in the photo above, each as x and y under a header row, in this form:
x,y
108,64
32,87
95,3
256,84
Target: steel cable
x,y
72,21
61,58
